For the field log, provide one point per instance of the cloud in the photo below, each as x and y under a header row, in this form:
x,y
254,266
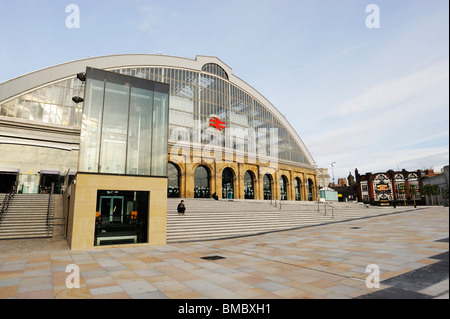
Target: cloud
x,y
397,90
344,52
154,18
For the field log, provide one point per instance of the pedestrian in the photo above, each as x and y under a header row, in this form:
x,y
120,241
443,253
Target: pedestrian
x,y
181,208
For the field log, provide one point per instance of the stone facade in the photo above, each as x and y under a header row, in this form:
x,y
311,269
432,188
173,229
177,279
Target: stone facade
x,y
216,165
80,207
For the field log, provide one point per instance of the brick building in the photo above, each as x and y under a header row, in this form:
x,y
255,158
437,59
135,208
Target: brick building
x,y
390,188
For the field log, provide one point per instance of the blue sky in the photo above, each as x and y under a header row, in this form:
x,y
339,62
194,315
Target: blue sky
x,y
372,99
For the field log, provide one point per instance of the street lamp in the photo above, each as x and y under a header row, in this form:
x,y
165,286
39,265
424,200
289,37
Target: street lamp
x,y
332,169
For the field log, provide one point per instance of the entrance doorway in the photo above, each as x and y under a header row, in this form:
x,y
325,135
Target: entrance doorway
x,y
267,181
173,174
283,188
47,179
7,181
121,217
201,182
249,190
227,184
310,186
298,190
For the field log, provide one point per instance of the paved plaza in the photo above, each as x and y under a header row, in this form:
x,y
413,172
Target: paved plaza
x,y
329,261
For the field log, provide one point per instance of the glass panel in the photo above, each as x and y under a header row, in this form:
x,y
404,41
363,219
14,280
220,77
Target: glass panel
x,y
91,123
160,132
114,129
11,109
4,110
140,132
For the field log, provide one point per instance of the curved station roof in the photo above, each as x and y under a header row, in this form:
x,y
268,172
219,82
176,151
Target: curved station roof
x,y
53,87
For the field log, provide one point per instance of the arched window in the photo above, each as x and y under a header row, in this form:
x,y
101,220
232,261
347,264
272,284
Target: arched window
x,y
249,185
227,183
283,187
215,69
201,182
267,181
298,189
310,186
173,174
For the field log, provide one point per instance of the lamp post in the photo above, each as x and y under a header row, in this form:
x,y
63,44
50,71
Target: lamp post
x,y
332,169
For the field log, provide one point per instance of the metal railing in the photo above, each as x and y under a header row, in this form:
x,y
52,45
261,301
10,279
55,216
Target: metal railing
x,y
49,203
7,200
325,205
276,202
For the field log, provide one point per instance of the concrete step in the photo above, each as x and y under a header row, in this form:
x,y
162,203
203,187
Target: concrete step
x,y
26,217
25,236
208,219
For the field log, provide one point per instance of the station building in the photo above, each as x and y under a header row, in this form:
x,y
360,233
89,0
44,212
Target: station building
x,y
124,132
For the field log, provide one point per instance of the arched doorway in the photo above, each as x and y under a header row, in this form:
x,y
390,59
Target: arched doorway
x,y
249,185
173,173
267,182
228,183
297,188
310,187
283,187
201,182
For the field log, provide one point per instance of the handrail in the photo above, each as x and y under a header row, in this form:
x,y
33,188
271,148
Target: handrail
x,y
7,199
325,204
49,203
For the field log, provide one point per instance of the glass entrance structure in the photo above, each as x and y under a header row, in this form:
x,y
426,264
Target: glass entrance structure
x,y
124,125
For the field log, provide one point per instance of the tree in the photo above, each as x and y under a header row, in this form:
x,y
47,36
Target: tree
x,y
432,190
402,190
444,192
437,192
428,191
413,191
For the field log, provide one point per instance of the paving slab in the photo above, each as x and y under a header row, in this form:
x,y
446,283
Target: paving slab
x,y
323,262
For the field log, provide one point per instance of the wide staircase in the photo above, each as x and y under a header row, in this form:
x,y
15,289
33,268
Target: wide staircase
x,y
26,217
207,219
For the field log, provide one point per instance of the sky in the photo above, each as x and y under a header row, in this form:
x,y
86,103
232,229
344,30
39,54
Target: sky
x,y
368,98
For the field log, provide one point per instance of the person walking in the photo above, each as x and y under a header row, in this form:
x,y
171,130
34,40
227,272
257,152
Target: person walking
x,y
181,208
